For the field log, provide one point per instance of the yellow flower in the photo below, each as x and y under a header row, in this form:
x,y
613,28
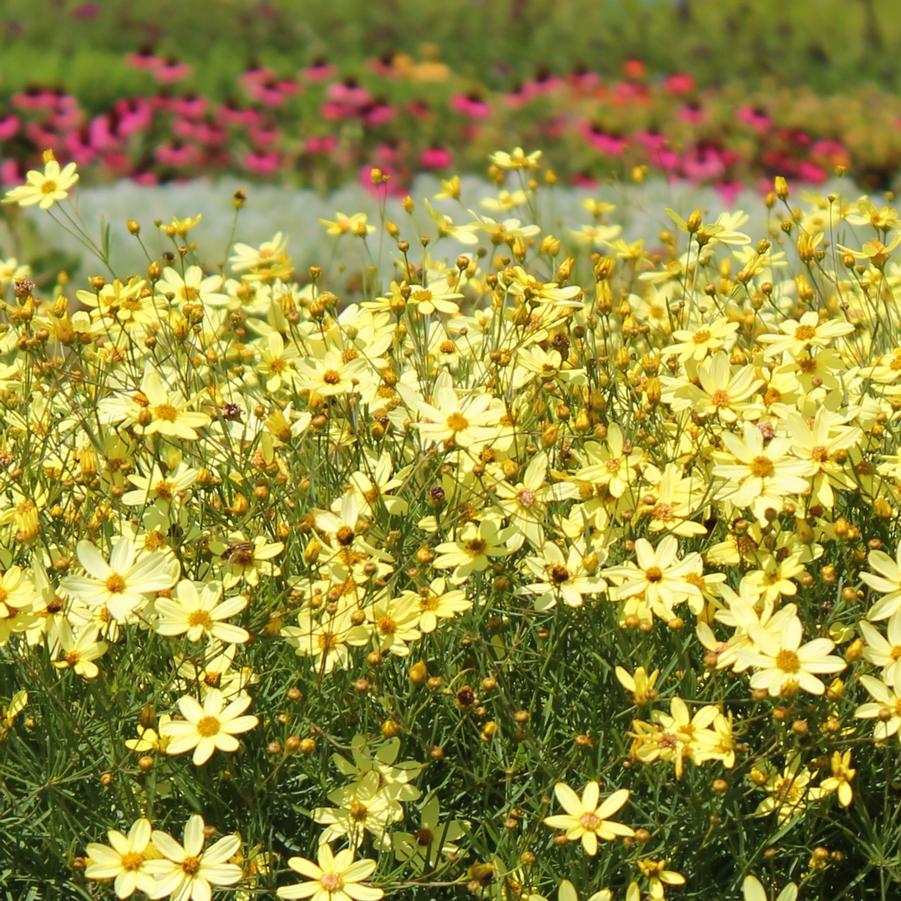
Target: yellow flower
x,y
586,819
887,581
126,583
789,792
759,477
840,780
887,708
187,871
196,613
208,728
659,577
473,550
754,891
335,877
44,188
784,665
640,685
355,224
517,159
124,860
659,877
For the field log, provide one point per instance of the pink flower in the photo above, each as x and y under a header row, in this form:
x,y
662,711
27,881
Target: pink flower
x,y
9,126
692,112
319,70
34,98
171,71
582,78
811,172
324,144
435,158
729,191
176,155
262,162
754,117
10,173
679,83
144,60
471,105
377,113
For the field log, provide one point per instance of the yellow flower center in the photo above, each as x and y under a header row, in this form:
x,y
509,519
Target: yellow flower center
x,y
526,497
456,422
190,865
762,467
663,512
819,454
589,821
788,661
208,726
163,490
49,186
115,584
805,332
701,336
331,377
331,882
132,860
327,641
166,412
358,811
475,546
720,398
200,618
387,625
189,293
653,574
613,465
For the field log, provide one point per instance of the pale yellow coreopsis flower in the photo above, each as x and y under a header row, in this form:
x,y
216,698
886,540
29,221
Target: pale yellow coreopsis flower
x,y
886,580
759,476
208,727
335,877
187,872
587,818
126,583
46,187
124,860
197,613
659,577
783,665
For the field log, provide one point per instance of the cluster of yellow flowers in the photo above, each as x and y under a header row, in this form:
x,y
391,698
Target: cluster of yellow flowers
x,y
695,443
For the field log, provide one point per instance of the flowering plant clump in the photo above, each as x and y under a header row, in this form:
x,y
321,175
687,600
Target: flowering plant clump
x,y
543,567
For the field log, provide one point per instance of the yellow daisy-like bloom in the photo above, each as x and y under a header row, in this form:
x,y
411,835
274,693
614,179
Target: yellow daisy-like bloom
x,y
124,860
885,707
187,871
586,819
208,728
197,613
124,584
759,477
44,188
840,780
659,877
784,665
335,877
516,159
887,581
659,577
789,792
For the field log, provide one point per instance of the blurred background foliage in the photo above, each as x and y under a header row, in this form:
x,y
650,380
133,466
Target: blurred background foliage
x,y
829,45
